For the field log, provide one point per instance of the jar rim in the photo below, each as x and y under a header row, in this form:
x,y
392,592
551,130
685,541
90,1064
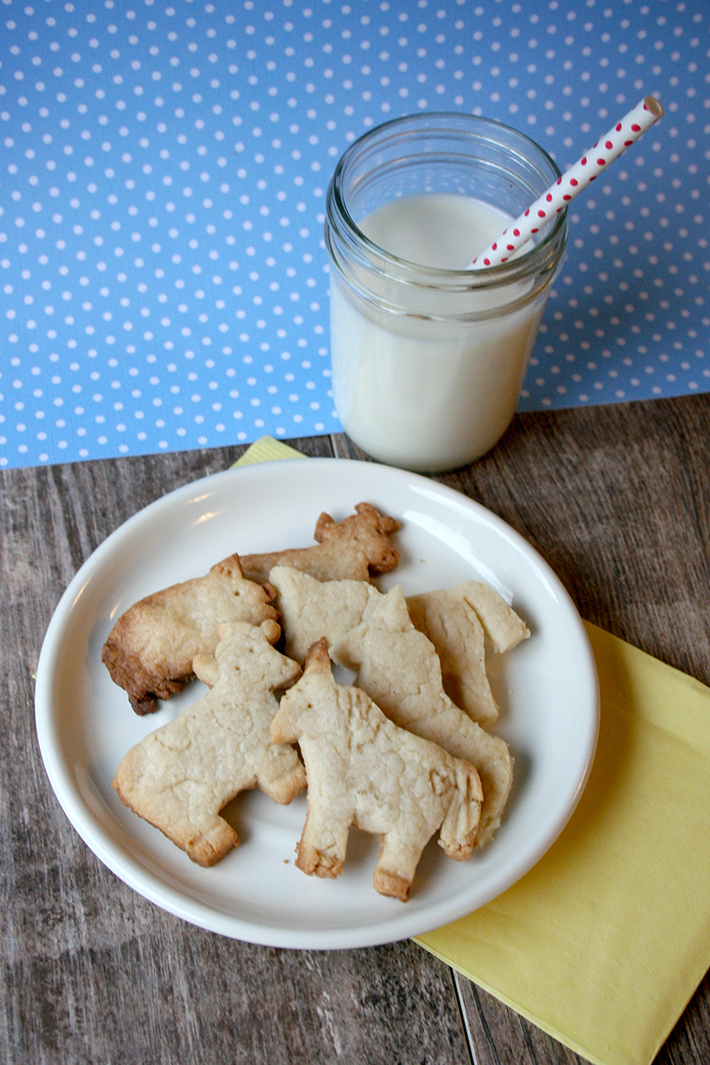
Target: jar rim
x,y
440,122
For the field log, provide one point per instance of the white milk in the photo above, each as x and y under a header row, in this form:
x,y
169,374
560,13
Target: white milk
x,y
414,389
439,229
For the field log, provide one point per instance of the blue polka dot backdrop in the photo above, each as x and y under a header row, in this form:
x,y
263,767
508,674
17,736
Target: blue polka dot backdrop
x,y
162,189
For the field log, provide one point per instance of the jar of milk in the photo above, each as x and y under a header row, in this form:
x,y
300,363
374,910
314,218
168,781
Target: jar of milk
x,y
429,354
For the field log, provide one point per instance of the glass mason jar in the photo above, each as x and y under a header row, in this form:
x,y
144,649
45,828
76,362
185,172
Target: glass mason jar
x,y
428,361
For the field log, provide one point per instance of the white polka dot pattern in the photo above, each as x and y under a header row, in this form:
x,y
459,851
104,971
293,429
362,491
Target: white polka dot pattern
x,y
162,184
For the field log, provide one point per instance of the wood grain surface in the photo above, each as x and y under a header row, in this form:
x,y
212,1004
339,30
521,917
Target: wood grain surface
x,y
617,499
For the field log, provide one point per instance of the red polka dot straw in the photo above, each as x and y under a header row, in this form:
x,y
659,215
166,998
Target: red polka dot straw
x,y
556,198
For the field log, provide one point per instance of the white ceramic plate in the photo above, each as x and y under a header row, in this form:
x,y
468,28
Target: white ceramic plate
x,y
547,688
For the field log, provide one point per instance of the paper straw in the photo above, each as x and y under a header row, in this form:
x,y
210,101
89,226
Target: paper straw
x,y
556,198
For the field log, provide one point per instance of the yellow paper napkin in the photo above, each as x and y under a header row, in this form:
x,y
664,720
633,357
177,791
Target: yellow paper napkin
x,y
605,940
266,449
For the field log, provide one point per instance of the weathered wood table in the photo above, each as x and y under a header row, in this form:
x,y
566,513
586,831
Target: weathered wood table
x,y
617,500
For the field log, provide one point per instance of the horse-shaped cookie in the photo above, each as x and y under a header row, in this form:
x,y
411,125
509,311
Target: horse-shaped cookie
x,y
399,669
365,771
181,776
457,621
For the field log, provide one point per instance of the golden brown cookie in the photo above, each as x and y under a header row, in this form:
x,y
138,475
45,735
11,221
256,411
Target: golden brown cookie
x,y
450,618
365,771
311,608
399,669
357,547
150,649
456,620
181,776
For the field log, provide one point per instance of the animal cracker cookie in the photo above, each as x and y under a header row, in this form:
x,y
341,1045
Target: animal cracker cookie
x,y
399,669
456,621
357,547
311,608
365,771
150,650
180,776
449,618
501,624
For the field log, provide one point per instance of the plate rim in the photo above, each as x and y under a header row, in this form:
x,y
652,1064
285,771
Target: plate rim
x,y
188,908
